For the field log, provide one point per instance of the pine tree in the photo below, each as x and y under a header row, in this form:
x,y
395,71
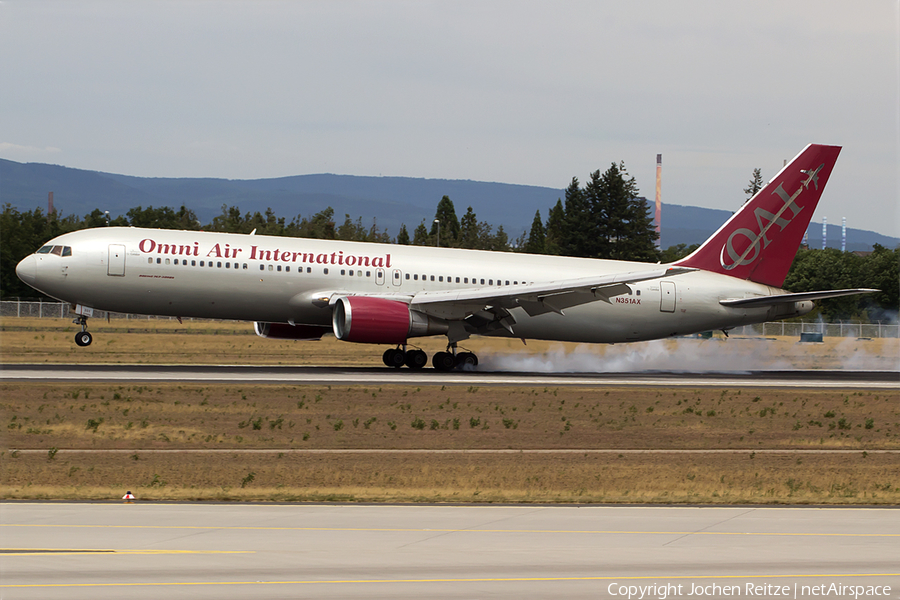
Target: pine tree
x,y
403,236
446,214
468,230
576,234
556,224
536,238
630,231
756,184
420,236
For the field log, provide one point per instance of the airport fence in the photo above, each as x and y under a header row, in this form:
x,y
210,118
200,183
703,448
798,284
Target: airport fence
x,y
60,310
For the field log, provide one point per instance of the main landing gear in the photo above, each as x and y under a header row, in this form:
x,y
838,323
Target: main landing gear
x,y
83,337
442,361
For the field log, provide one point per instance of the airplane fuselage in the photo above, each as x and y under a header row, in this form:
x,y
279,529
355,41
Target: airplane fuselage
x,y
292,280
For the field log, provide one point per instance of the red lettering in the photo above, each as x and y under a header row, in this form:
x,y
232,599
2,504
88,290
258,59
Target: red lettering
x,y
322,259
285,256
378,262
215,251
351,260
388,264
147,242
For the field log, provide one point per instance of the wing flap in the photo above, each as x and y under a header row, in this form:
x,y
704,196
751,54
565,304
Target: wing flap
x,y
536,298
786,298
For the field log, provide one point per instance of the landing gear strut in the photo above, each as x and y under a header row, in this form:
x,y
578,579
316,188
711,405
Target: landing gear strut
x,y
83,337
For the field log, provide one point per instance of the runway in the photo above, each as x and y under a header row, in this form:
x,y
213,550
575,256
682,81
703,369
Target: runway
x,y
416,551
384,376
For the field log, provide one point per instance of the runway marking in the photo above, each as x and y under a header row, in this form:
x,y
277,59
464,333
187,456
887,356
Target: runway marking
x,y
443,580
71,551
437,530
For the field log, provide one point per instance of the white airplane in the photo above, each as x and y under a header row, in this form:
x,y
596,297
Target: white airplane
x,y
294,288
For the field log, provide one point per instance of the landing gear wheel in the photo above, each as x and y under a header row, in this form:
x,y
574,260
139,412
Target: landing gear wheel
x,y
83,338
443,361
466,361
393,357
416,359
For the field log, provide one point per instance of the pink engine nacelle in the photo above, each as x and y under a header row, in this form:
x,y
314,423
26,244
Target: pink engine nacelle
x,y
286,331
380,321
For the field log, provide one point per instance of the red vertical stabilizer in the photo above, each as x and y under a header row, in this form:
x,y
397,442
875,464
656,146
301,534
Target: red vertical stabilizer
x,y
759,241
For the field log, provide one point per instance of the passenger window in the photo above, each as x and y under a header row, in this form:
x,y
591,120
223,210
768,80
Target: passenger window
x,y
67,251
465,279
309,269
149,261
228,265
245,266
326,271
278,269
368,273
639,292
490,282
482,282
158,260
261,267
286,269
176,261
270,268
416,276
193,263
343,271
441,278
407,276
507,283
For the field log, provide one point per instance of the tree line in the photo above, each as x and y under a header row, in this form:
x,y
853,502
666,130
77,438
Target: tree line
x,y
604,218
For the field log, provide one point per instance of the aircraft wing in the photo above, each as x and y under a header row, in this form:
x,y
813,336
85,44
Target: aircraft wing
x,y
535,299
799,297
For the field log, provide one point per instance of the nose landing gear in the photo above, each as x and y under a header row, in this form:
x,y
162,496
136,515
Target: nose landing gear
x,y
83,337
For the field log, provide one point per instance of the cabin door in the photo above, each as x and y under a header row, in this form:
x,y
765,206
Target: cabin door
x,y
667,296
116,264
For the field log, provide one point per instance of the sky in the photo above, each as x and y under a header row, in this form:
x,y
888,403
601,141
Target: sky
x,y
514,91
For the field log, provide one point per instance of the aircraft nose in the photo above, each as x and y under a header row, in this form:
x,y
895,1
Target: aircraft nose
x,y
27,269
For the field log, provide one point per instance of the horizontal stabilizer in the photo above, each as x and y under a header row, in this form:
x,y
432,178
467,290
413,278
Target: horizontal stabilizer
x,y
785,298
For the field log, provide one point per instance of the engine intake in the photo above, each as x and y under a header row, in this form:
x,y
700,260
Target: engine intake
x,y
286,331
380,321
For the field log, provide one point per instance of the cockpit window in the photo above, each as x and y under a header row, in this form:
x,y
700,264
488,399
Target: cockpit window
x,y
57,250
67,251
44,250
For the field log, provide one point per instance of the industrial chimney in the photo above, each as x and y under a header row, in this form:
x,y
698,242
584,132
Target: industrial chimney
x,y
658,201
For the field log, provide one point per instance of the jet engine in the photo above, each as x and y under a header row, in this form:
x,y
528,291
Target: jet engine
x,y
286,331
380,321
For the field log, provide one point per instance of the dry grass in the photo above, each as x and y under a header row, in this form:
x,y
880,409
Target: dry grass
x,y
739,478
169,416
222,342
271,417
166,416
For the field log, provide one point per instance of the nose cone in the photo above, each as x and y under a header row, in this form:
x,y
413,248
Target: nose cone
x,y
27,269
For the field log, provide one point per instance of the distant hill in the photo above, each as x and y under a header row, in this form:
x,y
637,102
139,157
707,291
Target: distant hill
x,y
392,200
